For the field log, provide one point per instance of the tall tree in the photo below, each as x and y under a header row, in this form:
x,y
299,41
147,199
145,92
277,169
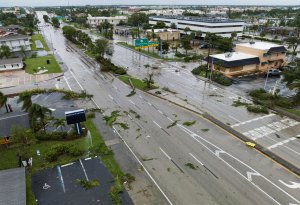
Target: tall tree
x,y
38,116
5,51
186,43
100,47
25,97
55,22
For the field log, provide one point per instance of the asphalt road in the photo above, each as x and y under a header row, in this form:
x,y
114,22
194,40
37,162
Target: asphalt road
x,y
201,163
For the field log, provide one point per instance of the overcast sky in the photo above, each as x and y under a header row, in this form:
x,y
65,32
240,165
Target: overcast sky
x,y
138,2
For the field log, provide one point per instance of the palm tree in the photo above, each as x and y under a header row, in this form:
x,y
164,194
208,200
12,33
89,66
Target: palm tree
x,y
26,98
59,123
3,101
38,115
5,51
23,51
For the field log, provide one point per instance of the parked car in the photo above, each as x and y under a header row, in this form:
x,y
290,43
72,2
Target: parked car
x,y
203,46
273,72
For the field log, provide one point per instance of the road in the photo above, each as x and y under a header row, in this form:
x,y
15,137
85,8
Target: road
x,y
187,164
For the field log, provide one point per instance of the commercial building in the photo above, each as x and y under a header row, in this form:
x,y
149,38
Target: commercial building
x,y
219,26
11,64
166,34
249,58
97,20
15,42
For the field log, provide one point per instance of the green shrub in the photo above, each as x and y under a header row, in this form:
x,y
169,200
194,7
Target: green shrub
x,y
107,66
90,115
55,151
75,151
87,184
257,109
187,123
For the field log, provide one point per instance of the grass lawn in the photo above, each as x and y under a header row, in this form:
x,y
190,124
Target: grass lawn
x,y
294,111
137,83
38,37
34,63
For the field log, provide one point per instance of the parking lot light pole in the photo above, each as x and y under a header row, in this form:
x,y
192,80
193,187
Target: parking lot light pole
x,y
266,79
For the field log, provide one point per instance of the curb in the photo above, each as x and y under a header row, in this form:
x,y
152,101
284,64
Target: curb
x,y
258,147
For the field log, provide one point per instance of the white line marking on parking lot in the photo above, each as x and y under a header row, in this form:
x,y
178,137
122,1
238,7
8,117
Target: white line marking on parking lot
x,y
110,97
163,193
149,104
140,96
115,87
160,111
255,119
282,142
85,174
65,165
165,153
157,124
56,85
170,119
196,159
131,102
67,83
88,158
61,178
13,116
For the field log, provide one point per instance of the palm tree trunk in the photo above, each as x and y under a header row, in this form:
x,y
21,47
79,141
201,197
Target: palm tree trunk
x,y
6,107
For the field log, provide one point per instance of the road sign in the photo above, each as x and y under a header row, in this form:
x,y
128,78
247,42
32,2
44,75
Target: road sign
x,y
144,43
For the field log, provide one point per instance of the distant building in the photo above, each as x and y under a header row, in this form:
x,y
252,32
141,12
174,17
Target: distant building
x,y
222,27
254,57
11,64
166,34
15,42
97,20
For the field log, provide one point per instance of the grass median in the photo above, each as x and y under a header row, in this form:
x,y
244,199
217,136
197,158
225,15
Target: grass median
x,y
137,83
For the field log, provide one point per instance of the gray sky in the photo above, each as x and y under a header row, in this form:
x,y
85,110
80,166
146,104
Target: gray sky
x,y
138,2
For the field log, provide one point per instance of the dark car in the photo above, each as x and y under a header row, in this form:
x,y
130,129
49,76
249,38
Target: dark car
x,y
203,46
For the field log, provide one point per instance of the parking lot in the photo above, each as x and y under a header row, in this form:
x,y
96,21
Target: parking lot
x,y
58,185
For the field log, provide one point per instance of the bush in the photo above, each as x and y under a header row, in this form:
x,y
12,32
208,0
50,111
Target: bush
x,y
51,136
107,66
219,78
90,115
257,109
61,149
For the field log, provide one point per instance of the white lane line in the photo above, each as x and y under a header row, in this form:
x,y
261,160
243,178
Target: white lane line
x,y
68,83
110,97
252,120
196,159
85,174
76,80
249,175
165,153
61,178
149,104
148,136
163,193
234,118
65,165
160,112
87,158
282,142
157,124
170,119
95,103
56,85
131,102
193,135
115,87
140,97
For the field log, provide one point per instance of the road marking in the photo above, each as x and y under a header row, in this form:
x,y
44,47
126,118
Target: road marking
x,y
165,153
87,158
131,102
56,85
157,124
234,118
110,97
160,112
252,120
282,142
61,179
293,185
196,159
140,96
217,152
193,135
76,80
85,174
130,116
170,119
149,104
115,87
148,136
250,174
68,83
95,103
163,193
65,165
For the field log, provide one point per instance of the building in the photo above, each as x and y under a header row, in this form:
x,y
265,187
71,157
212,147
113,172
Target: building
x,y
219,26
13,186
11,64
15,42
166,34
249,58
97,20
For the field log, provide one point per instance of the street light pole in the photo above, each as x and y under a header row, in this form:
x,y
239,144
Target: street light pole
x,y
266,79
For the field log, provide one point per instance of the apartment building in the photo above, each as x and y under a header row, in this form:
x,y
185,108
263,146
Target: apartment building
x,y
95,21
249,58
219,26
15,42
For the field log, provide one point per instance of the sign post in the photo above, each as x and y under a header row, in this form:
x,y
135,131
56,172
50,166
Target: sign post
x,y
75,117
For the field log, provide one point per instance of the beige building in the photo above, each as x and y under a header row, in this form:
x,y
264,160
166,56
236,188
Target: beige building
x,y
97,20
166,34
249,58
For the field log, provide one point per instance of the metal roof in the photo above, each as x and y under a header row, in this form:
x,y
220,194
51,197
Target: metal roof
x,y
233,63
12,186
13,37
203,20
10,61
